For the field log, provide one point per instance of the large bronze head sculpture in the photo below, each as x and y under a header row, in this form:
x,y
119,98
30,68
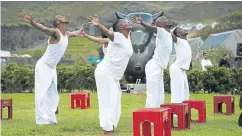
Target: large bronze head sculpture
x,y
143,42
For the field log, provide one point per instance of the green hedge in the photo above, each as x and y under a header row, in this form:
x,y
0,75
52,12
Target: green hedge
x,y
77,77
20,78
16,79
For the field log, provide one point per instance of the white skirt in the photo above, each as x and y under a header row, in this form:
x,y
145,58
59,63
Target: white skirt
x,y
109,99
154,85
46,95
179,84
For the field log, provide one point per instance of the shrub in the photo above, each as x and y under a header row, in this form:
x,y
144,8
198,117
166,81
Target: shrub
x,y
17,78
20,78
195,80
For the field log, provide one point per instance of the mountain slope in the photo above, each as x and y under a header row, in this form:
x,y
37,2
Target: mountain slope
x,y
16,36
78,11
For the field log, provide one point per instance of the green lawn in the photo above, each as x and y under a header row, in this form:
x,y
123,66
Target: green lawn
x,y
85,122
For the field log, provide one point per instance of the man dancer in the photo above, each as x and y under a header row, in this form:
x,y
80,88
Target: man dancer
x,y
46,95
179,83
155,67
110,70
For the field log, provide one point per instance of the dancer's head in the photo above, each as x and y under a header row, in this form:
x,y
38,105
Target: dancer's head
x,y
163,22
122,25
181,33
60,21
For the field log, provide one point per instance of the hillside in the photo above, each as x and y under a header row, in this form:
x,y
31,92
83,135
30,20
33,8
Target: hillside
x,y
205,11
79,48
21,38
78,11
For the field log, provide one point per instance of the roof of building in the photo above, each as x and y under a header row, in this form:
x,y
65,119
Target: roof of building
x,y
214,40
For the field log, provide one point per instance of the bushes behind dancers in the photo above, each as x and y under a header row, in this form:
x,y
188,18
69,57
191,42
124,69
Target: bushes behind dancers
x,y
20,78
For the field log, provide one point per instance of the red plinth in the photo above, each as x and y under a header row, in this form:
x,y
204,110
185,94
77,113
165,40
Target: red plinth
x,y
200,106
160,117
82,100
219,100
7,103
183,113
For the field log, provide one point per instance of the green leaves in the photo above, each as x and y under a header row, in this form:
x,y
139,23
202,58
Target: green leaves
x,y
20,78
77,77
17,78
215,79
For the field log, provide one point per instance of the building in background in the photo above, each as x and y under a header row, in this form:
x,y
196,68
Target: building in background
x,y
228,40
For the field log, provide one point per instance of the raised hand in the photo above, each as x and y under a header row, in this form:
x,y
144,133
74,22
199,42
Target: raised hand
x,y
81,31
93,20
137,20
25,17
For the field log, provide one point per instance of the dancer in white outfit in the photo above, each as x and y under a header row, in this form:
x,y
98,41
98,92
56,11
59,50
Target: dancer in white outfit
x,y
155,67
179,83
46,95
110,70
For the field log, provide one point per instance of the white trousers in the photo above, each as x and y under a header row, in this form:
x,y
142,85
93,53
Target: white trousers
x,y
154,85
46,95
179,84
109,99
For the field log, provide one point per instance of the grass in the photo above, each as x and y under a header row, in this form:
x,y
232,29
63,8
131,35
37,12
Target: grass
x,y
85,122
82,47
208,21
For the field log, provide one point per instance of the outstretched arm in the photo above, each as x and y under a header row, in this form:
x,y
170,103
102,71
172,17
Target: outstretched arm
x,y
76,33
29,19
109,33
95,22
95,39
138,20
149,26
82,33
73,33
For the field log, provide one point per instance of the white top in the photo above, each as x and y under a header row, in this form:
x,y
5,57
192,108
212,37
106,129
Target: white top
x,y
117,56
204,63
163,47
183,54
104,50
54,52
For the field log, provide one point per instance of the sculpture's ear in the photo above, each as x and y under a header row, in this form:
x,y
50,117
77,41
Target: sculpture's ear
x,y
157,15
120,15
